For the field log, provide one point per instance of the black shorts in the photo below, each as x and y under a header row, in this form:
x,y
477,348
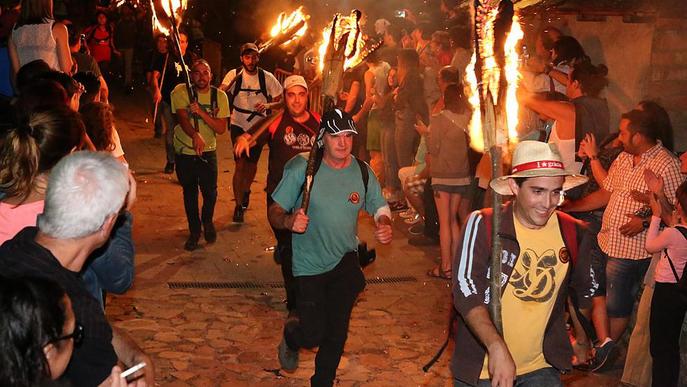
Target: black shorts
x,y
234,132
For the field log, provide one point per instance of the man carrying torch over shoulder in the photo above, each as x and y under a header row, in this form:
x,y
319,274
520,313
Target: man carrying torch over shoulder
x,y
325,261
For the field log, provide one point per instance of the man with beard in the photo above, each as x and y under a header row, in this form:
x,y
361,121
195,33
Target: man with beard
x,y
539,265
195,144
249,88
292,133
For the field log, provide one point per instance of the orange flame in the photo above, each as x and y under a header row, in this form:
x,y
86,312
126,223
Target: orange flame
x,y
513,77
491,76
344,24
178,5
285,22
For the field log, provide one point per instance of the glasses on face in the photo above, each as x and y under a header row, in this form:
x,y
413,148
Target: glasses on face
x,y
77,335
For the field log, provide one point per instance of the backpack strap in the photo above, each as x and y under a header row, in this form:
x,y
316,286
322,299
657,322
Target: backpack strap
x,y
568,226
364,172
263,84
213,101
683,231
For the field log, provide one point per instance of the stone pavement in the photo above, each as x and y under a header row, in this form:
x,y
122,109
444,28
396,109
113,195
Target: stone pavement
x,y
228,337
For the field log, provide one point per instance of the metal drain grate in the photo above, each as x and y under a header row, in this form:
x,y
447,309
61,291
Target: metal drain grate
x,y
274,285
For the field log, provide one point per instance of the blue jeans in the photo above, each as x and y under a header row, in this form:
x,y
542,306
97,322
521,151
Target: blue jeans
x,y
545,377
623,280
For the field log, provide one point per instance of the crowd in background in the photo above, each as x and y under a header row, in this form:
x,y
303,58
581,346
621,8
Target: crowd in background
x,y
408,102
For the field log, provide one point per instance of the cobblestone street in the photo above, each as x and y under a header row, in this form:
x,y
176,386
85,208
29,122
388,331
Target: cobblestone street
x,y
228,336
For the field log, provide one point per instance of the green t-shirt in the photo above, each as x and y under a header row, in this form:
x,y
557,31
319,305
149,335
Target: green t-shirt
x,y
336,199
183,144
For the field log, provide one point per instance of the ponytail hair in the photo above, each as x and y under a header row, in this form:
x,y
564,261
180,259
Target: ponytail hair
x,y
35,146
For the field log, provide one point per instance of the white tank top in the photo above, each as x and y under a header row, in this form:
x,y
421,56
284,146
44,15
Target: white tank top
x,y
35,41
566,149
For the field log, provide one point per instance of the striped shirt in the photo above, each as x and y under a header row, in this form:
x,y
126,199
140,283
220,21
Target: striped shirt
x,y
623,178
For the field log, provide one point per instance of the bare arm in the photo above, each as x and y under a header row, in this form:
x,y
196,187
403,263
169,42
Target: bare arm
x,y
598,171
369,96
593,201
501,364
562,112
352,96
104,90
64,56
280,219
14,60
559,77
217,124
131,354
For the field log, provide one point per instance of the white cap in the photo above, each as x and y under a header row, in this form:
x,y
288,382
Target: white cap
x,y
295,80
381,26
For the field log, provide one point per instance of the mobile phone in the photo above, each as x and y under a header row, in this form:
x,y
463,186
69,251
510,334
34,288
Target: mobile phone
x,y
400,13
128,374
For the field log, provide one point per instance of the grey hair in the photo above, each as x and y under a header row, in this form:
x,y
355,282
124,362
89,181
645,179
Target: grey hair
x,y
84,189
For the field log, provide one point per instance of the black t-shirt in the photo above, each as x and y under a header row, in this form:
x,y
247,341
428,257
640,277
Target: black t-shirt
x,y
174,74
92,361
286,139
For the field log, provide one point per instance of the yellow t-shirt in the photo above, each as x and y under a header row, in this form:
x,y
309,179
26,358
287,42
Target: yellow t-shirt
x,y
183,144
531,293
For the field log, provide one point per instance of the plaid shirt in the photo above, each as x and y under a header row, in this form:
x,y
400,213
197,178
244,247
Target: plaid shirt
x,y
624,177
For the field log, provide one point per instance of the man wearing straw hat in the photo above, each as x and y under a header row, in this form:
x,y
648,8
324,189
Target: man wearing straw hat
x,y
539,264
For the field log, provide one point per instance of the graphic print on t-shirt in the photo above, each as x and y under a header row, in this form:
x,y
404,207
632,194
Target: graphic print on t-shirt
x,y
535,280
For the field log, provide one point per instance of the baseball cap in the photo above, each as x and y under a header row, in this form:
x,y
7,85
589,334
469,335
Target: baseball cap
x,y
248,47
336,121
295,80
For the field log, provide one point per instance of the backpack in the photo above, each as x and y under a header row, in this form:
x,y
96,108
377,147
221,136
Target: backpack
x,y
681,281
237,89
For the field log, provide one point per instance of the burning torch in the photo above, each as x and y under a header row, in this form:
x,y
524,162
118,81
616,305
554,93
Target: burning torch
x,y
344,36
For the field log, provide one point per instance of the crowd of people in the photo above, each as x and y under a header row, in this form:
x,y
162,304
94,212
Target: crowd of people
x,y
589,206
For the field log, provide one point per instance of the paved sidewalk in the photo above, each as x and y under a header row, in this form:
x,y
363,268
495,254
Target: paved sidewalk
x,y
228,337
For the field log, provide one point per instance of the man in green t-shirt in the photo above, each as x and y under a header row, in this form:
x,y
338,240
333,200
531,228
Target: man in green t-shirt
x,y
195,148
325,261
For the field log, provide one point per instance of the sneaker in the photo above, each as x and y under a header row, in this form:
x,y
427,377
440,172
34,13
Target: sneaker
x,y
192,242
238,214
417,229
209,233
605,357
413,220
169,168
288,358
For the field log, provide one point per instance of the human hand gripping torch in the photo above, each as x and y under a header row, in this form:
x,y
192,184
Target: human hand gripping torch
x,y
332,76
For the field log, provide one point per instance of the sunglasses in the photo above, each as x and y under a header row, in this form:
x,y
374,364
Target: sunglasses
x,y
77,335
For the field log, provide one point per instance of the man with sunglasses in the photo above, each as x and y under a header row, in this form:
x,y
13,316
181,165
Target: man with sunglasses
x,y
195,145
249,88
86,192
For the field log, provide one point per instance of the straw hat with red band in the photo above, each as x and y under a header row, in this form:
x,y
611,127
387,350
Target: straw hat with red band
x,y
537,159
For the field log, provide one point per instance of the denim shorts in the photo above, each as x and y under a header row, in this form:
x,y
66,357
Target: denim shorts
x,y
623,280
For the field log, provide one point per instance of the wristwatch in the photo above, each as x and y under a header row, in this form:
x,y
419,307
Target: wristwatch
x,y
645,223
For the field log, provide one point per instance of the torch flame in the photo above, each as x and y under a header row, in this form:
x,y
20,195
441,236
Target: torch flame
x,y
353,44
475,127
178,5
506,119
286,22
513,77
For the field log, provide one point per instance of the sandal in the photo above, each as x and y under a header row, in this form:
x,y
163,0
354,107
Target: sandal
x,y
438,272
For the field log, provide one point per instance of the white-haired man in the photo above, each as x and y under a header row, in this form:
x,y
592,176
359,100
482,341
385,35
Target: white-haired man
x,y
539,263
86,192
293,132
